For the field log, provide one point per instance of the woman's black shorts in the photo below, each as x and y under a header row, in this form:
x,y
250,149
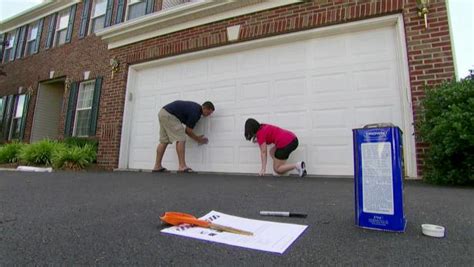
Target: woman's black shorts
x,y
284,152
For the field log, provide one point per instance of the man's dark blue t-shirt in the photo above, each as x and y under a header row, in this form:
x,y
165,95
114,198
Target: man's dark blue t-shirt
x,y
187,112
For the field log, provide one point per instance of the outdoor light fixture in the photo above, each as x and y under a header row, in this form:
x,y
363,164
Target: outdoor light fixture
x,y
67,83
115,64
422,6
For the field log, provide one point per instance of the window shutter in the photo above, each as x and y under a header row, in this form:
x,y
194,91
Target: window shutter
x,y
21,42
150,6
84,18
24,116
120,11
38,36
2,48
108,13
70,26
95,107
15,43
8,116
51,29
71,109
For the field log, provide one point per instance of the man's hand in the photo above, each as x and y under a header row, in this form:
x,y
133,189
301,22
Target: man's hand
x,y
202,140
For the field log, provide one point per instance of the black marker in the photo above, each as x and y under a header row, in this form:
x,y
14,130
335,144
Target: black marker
x,y
283,214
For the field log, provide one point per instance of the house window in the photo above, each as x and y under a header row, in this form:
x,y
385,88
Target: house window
x,y
98,15
9,54
172,3
84,108
31,39
135,8
61,27
15,126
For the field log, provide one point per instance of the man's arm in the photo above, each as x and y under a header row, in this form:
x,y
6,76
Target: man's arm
x,y
199,139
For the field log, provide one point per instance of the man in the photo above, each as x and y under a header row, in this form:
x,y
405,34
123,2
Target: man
x,y
171,118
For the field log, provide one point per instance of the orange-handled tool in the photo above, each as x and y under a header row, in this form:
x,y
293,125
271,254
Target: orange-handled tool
x,y
177,218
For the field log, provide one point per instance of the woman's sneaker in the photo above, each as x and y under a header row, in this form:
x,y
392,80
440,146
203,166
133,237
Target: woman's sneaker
x,y
301,168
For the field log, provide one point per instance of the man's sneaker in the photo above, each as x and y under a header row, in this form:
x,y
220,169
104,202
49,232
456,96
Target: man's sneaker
x,y
301,168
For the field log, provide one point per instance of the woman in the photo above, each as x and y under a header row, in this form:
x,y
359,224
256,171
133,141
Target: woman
x,y
285,143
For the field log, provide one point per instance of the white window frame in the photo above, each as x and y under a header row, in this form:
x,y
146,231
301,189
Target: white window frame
x,y
30,41
95,17
19,106
82,87
11,40
131,3
164,4
63,14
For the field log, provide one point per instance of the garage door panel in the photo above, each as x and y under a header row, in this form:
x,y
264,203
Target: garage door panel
x,y
374,114
329,118
143,128
199,96
290,87
221,155
295,120
331,159
166,98
195,71
373,80
194,156
224,94
331,155
222,127
253,60
378,42
171,73
254,113
146,80
248,155
288,58
256,90
330,51
222,66
143,114
333,83
320,89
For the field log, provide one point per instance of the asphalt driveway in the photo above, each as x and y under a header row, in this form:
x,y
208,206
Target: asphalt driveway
x,y
111,218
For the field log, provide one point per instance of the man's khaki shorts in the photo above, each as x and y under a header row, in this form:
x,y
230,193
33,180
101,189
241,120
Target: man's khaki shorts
x,y
171,129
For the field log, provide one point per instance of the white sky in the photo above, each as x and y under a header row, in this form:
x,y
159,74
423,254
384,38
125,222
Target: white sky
x,y
461,18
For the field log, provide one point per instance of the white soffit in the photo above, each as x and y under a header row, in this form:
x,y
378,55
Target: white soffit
x,y
183,17
35,13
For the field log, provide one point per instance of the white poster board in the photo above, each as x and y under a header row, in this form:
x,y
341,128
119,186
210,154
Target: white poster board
x,y
267,236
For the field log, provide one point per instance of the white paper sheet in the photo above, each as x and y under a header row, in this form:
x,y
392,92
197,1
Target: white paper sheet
x,y
267,236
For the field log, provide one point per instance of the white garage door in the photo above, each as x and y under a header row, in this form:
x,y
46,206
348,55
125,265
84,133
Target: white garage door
x,y
319,88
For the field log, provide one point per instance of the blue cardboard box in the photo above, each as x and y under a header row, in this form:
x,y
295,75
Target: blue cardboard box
x,y
378,178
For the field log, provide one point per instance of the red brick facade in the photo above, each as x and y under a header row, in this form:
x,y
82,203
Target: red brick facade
x,y
429,54
69,60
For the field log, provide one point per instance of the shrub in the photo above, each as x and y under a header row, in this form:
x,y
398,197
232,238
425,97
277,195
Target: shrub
x,y
40,153
447,126
74,158
10,153
80,142
90,145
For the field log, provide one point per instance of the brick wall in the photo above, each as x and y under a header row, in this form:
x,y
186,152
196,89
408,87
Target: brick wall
x,y
68,60
429,53
430,57
429,50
